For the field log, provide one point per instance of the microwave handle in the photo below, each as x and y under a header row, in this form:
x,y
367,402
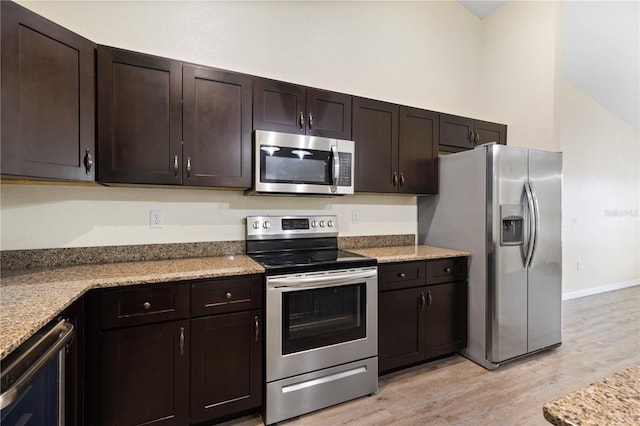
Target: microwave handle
x,y
336,167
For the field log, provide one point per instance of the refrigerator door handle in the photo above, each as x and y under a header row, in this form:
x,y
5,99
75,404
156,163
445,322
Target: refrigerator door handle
x,y
533,224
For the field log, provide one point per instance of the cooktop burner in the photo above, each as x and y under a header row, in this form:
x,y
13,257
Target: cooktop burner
x,y
290,244
311,260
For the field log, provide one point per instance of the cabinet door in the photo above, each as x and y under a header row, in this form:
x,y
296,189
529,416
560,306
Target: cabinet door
x,y
328,114
145,375
226,364
456,133
217,128
375,132
418,151
446,318
278,106
47,98
139,118
490,132
401,328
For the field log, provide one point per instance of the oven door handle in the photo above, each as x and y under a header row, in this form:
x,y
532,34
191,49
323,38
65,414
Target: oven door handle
x,y
320,281
64,331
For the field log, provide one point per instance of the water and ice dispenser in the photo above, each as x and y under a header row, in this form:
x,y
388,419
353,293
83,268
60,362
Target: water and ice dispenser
x,y
512,229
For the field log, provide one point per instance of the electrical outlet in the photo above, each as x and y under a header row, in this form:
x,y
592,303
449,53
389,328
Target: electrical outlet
x,y
355,216
156,218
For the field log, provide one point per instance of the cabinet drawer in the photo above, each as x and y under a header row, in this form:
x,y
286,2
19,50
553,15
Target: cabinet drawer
x,y
135,306
226,295
401,275
446,270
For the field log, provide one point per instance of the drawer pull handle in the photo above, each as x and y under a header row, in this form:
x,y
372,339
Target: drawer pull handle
x,y
257,328
447,270
146,305
429,299
402,275
228,296
422,301
181,340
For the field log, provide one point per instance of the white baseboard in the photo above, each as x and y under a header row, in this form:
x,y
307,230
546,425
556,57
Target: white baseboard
x,y
597,290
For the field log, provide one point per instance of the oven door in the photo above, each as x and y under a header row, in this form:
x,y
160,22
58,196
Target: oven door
x,y
319,320
287,163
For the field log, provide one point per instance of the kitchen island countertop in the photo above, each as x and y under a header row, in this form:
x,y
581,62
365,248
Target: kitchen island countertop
x,y
613,400
30,298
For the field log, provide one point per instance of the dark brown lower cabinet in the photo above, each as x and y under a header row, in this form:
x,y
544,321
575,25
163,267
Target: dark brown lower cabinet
x,y
401,328
174,353
226,364
424,319
145,375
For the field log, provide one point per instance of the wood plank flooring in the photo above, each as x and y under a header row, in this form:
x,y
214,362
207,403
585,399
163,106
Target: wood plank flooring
x,y
601,335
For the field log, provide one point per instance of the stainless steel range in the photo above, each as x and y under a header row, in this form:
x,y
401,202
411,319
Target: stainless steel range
x,y
321,315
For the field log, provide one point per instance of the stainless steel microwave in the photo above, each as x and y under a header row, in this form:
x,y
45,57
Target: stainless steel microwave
x,y
297,164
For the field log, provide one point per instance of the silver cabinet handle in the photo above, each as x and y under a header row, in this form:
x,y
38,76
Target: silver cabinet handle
x,y
310,120
257,327
422,301
429,299
176,166
395,179
301,120
401,179
188,166
146,305
228,295
447,270
471,137
181,340
477,137
88,161
402,275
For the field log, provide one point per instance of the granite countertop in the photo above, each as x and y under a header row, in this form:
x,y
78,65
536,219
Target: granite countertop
x,y
408,253
30,298
614,400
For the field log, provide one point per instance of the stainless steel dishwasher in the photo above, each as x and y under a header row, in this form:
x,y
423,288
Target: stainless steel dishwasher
x,y
32,378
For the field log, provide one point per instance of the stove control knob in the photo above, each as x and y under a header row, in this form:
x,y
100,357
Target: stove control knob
x,y
266,224
314,224
322,224
256,225
330,224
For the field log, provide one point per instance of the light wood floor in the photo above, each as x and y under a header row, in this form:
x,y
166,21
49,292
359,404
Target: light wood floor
x,y
601,335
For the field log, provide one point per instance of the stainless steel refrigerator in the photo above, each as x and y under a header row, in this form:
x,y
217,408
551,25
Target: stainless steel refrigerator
x,y
503,204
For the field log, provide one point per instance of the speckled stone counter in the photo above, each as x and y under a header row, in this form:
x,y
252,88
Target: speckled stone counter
x,y
408,253
614,400
31,298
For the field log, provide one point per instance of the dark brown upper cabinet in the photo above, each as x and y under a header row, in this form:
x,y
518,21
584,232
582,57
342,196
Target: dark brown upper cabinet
x,y
461,133
289,108
396,148
164,122
216,127
47,98
139,118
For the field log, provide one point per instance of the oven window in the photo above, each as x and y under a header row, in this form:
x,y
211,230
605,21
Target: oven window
x,y
291,165
321,317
